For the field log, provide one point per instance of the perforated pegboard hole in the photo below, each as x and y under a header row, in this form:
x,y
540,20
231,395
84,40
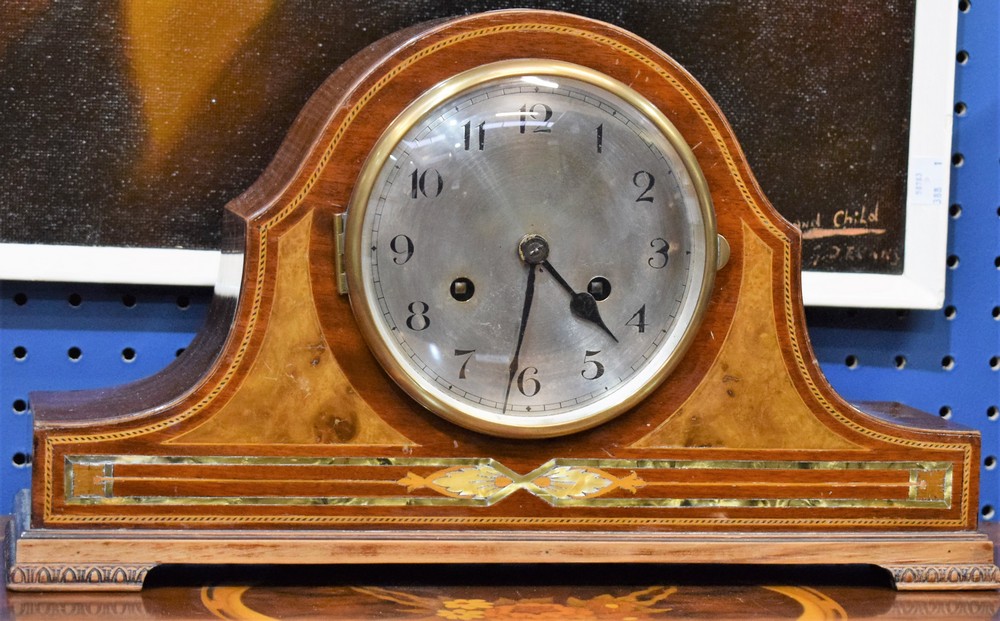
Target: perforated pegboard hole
x,y
75,299
995,363
996,312
128,300
178,352
953,261
962,57
20,299
945,412
950,312
183,302
996,263
948,363
955,211
990,463
964,5
20,353
988,512
20,406
74,353
21,460
900,362
961,109
993,412
851,362
957,160
128,354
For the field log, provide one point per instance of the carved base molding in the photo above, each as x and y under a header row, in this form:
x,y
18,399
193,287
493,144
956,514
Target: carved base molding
x,y
111,560
55,576
927,577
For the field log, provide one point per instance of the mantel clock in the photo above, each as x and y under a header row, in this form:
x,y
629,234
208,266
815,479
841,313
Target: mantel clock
x,y
507,293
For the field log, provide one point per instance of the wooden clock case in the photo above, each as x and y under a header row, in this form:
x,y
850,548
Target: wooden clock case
x,y
276,437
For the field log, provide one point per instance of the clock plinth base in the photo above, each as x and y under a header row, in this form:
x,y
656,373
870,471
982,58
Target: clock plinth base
x,y
100,560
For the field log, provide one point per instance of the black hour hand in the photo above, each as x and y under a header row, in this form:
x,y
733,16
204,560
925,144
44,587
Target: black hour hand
x,y
581,304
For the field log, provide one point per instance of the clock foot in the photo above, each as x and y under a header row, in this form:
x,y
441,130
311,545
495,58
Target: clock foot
x,y
944,577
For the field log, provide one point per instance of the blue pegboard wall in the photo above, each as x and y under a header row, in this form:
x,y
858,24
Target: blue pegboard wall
x,y
72,336
69,336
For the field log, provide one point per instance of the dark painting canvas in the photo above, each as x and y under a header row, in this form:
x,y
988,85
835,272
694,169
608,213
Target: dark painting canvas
x,y
133,123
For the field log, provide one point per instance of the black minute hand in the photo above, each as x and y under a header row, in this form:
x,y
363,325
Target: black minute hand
x,y
529,294
582,304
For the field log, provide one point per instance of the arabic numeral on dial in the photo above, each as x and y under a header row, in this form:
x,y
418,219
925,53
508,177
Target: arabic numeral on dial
x,y
528,386
644,181
428,183
418,319
469,353
536,110
660,248
468,135
402,245
596,370
638,320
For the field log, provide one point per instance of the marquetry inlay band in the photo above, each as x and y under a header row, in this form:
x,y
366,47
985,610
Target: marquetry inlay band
x,y
484,482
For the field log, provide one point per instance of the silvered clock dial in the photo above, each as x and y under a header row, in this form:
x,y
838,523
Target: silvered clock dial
x,y
530,248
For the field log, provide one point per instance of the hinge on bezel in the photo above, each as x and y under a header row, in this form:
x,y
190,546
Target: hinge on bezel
x,y
339,226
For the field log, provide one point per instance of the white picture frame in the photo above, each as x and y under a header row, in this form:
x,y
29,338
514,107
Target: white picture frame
x,y
922,283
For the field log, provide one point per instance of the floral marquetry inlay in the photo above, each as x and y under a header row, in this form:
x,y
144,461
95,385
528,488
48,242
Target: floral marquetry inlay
x,y
492,482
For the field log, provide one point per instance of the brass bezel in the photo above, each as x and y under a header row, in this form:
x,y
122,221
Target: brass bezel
x,y
377,338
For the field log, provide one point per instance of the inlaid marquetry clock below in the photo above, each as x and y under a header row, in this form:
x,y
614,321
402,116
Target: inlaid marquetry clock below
x,y
507,293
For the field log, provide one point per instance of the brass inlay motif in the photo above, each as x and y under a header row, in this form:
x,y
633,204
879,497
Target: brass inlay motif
x,y
89,480
932,484
295,392
484,482
491,482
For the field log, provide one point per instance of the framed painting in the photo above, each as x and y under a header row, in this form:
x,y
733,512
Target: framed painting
x,y
127,126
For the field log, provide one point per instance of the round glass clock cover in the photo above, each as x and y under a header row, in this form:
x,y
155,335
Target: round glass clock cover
x,y
530,248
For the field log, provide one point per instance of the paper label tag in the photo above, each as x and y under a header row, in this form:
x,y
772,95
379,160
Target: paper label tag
x,y
928,182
